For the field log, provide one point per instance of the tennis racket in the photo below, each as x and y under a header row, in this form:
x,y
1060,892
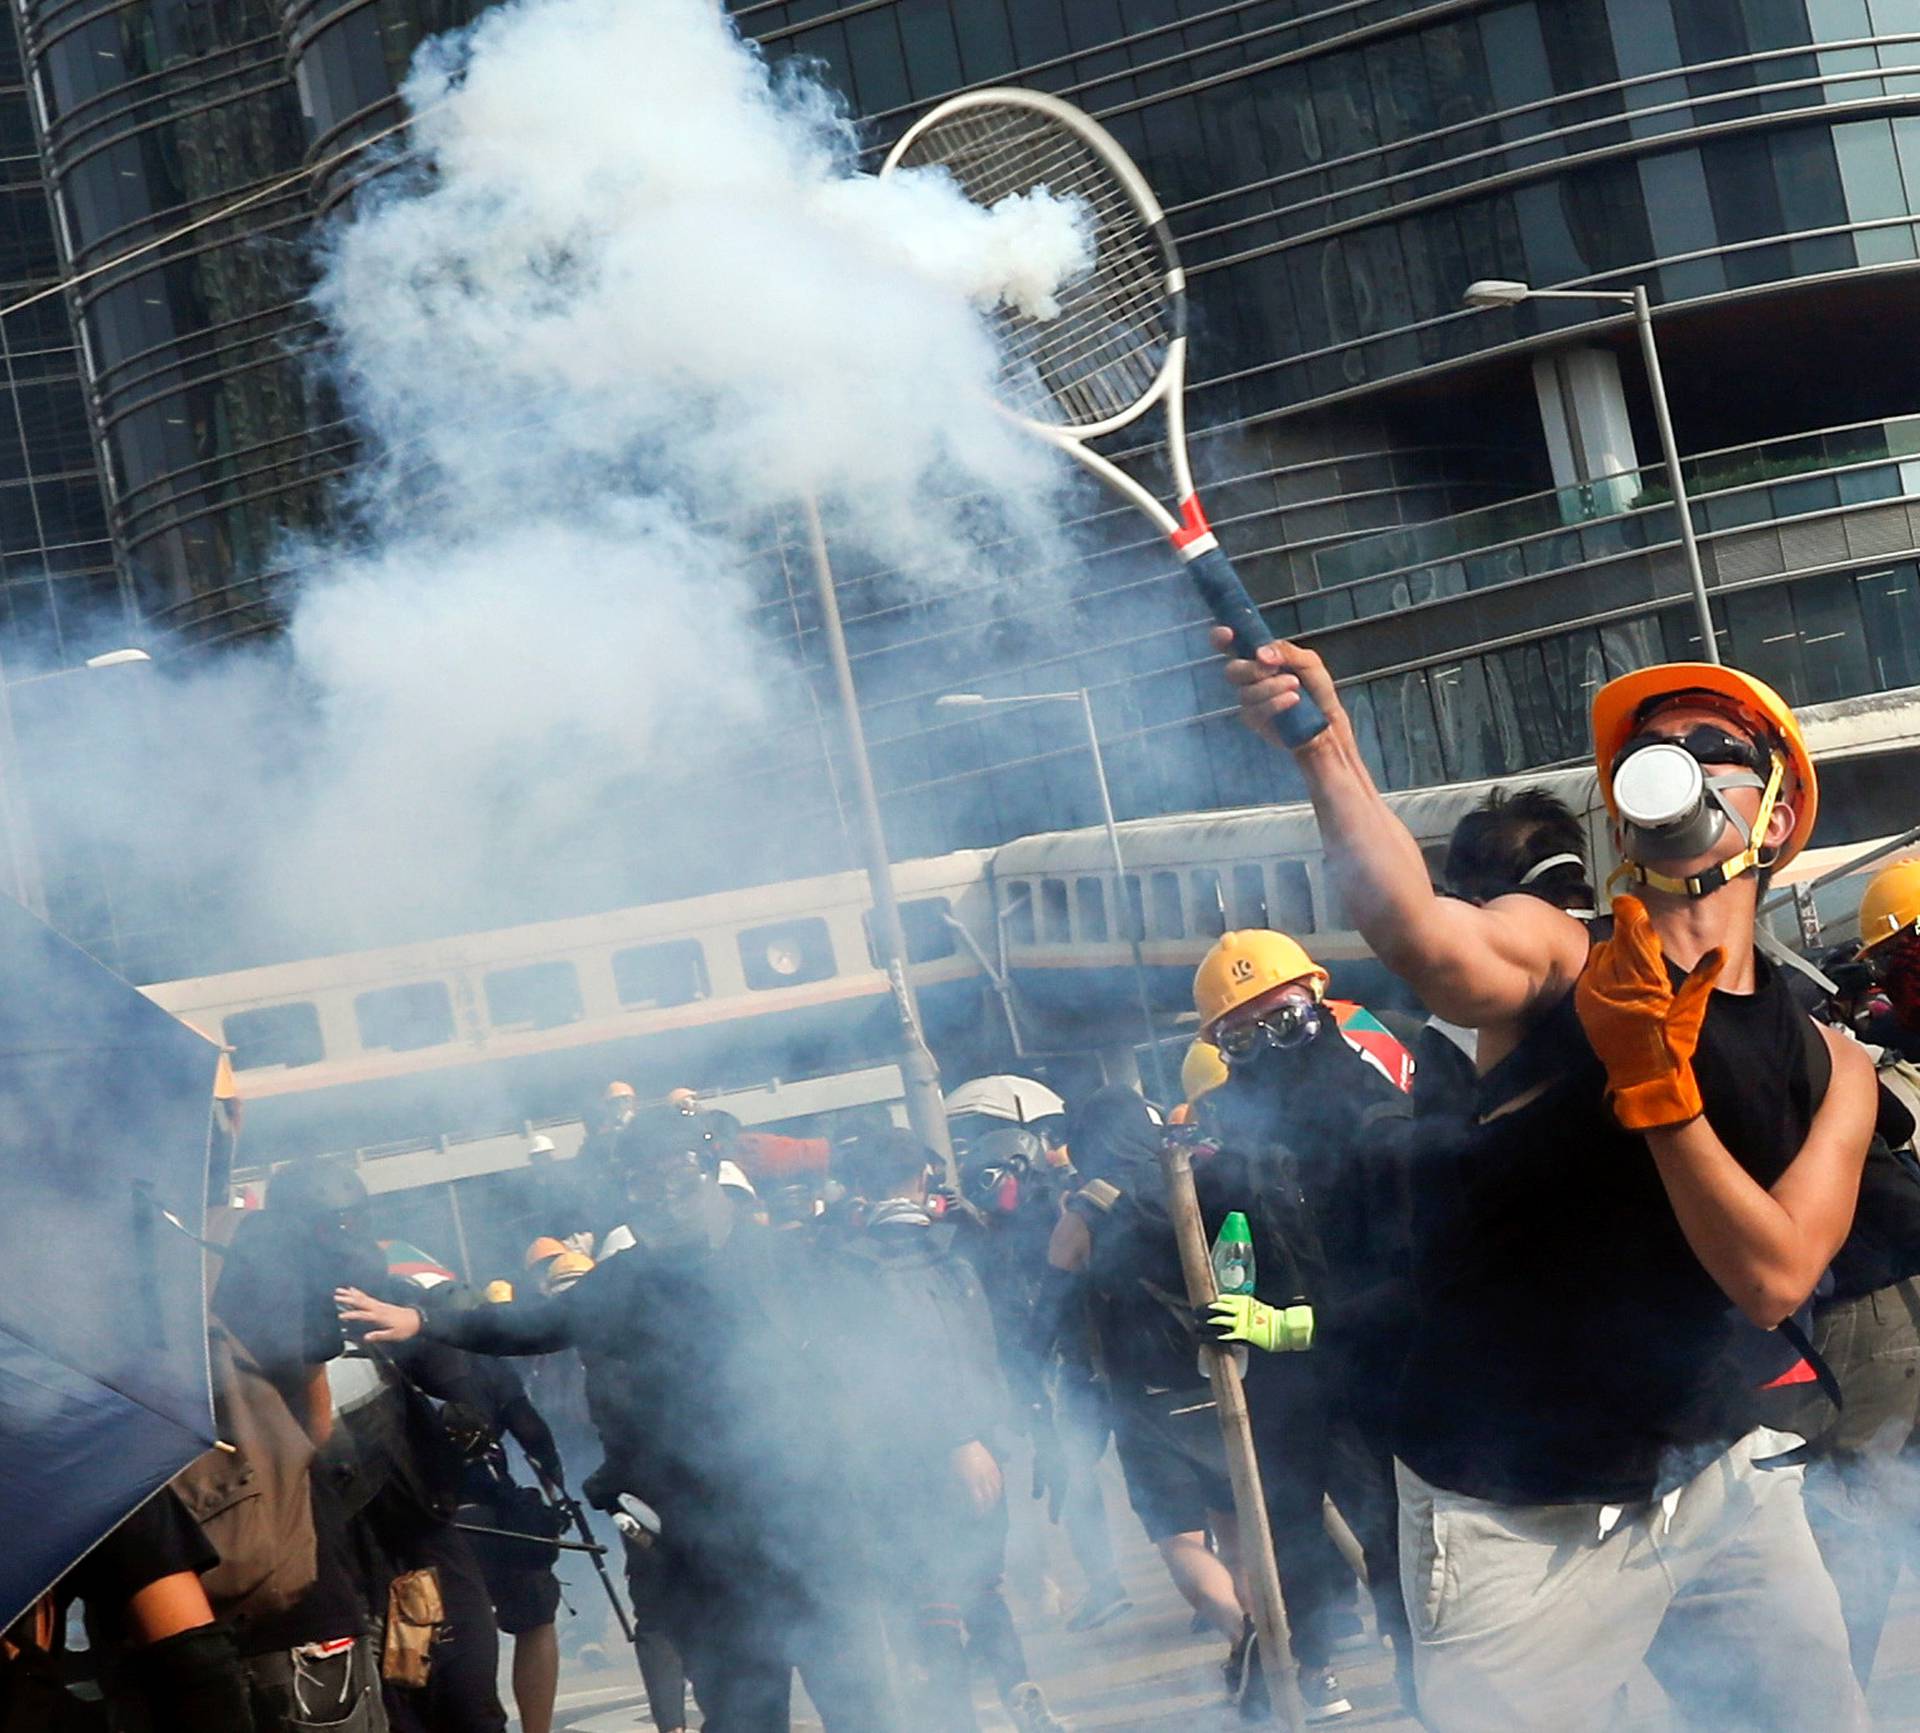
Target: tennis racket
x,y
1118,344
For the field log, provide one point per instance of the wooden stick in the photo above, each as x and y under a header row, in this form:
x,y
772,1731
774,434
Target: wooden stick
x,y
1236,1431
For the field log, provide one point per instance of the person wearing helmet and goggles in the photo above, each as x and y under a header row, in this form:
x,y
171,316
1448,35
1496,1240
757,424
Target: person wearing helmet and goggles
x,y
1016,1190
1890,947
1311,1122
1665,1156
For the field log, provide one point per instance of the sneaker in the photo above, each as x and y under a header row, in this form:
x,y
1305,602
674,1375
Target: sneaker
x,y
1322,1695
1104,1602
1234,1668
1256,1703
1027,1704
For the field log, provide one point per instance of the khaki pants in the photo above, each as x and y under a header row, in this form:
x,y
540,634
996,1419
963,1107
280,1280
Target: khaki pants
x,y
1536,1616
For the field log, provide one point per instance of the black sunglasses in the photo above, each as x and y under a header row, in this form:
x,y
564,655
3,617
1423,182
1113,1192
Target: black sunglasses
x,y
1702,742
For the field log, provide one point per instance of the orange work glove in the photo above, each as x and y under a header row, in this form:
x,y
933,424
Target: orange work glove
x,y
1643,1028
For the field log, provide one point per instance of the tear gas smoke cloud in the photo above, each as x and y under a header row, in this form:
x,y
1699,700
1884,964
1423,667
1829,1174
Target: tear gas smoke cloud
x,y
593,332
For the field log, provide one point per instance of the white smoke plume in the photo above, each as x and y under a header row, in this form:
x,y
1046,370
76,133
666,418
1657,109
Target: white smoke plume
x,y
629,296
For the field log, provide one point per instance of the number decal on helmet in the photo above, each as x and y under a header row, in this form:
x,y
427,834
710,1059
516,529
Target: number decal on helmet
x,y
1243,968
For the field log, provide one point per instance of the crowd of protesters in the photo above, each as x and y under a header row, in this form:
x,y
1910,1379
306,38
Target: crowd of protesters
x,y
1583,1341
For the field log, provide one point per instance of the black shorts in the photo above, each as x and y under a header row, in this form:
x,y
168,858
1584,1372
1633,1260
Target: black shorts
x,y
523,1600
1173,1460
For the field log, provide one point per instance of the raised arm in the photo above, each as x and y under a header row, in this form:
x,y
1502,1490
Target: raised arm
x,y
1767,1248
1471,965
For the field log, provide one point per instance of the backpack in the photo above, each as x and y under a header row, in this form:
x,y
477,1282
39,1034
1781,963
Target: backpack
x,y
252,1495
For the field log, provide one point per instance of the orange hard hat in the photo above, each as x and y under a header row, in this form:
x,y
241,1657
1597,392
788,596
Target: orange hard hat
x,y
546,1246
618,1091
1619,706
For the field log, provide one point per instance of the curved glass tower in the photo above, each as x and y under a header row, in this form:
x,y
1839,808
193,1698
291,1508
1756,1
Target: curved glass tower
x,y
154,117
1457,506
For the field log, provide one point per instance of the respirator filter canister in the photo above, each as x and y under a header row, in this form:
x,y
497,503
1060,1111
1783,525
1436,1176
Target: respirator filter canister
x,y
1665,807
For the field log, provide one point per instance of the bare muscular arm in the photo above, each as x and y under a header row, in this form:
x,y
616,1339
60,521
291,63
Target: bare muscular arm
x,y
1767,1249
1477,966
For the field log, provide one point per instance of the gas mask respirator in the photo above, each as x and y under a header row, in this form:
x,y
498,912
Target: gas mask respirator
x,y
1670,796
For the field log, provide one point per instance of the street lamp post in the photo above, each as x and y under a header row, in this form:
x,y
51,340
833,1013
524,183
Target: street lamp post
x,y
25,882
926,1109
1081,697
1502,292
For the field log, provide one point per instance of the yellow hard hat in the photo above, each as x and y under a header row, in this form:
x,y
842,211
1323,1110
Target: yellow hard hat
x,y
618,1091
1619,705
546,1246
1201,1071
1891,905
687,1100
1244,965
499,1292
564,1271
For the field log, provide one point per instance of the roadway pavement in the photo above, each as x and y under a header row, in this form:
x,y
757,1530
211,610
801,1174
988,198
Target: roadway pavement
x,y
1147,1669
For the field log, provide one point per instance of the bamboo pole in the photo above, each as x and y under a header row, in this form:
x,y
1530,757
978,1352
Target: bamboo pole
x,y
1236,1430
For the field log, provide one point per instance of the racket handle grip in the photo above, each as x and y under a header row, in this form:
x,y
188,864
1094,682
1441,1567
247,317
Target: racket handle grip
x,y
1227,600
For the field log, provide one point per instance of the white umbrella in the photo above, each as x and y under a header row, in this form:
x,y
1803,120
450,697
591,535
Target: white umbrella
x,y
1004,1096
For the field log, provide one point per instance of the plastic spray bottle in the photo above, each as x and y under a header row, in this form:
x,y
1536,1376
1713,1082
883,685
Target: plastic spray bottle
x,y
1233,1273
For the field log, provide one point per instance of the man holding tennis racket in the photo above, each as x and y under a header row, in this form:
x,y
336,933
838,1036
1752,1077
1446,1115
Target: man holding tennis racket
x,y
1664,1158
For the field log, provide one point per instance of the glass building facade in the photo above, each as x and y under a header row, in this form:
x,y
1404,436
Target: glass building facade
x,y
1376,454
157,120
58,586
1381,462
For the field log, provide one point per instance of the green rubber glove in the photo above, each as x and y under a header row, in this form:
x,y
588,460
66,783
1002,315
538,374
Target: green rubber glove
x,y
1272,1329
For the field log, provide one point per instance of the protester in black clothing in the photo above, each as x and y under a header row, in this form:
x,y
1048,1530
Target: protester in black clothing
x,y
916,1334
1666,1156
1017,1191
1524,843
698,1343
275,1283
519,1576
1316,1123
1115,1244
387,1461
156,1651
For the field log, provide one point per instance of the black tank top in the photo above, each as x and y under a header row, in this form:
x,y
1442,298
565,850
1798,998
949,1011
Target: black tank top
x,y
1570,1346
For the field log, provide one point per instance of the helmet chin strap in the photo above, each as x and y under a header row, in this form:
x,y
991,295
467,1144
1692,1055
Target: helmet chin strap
x,y
1706,883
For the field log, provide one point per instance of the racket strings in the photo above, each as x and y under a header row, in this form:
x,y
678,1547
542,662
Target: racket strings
x,y
1102,354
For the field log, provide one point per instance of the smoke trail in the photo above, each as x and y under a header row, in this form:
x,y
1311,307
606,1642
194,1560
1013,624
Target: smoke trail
x,y
596,331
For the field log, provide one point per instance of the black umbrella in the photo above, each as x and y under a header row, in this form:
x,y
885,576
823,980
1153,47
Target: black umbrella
x,y
105,1114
